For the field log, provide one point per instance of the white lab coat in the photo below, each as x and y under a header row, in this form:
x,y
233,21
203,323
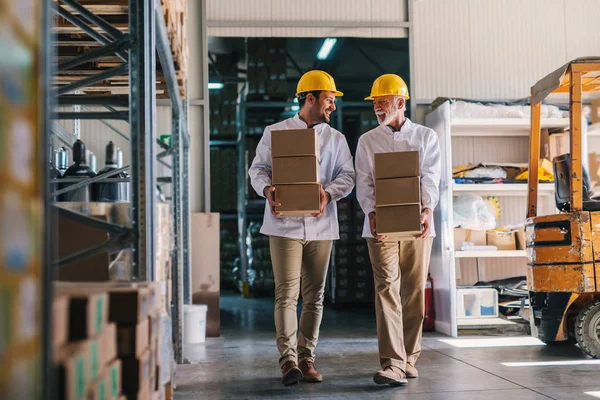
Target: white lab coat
x,y
336,175
383,139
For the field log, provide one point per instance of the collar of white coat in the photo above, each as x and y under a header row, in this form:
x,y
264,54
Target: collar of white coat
x,y
318,127
405,126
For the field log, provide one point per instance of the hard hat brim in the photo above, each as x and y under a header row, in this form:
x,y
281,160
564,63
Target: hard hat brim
x,y
373,97
335,93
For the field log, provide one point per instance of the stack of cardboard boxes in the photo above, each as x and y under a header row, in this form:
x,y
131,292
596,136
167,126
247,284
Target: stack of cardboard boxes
x,y
267,69
108,341
398,193
502,239
223,109
223,182
295,166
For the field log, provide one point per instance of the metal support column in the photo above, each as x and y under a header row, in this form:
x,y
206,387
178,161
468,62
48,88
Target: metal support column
x,y
241,186
142,109
185,207
177,309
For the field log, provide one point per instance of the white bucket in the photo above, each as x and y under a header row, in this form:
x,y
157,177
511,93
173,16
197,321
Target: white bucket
x,y
194,323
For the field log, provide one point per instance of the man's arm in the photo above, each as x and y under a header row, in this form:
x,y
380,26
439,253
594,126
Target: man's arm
x,y
365,186
431,173
343,174
260,170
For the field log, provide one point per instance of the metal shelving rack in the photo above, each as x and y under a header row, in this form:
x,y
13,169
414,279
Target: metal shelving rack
x,y
137,46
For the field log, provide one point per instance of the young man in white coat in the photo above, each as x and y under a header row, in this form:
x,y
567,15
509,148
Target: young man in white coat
x,y
400,268
301,247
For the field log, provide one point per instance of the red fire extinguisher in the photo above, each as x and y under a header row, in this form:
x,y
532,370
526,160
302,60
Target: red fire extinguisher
x,y
429,321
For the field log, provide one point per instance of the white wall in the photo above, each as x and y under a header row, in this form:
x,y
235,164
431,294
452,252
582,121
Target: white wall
x,y
307,18
496,50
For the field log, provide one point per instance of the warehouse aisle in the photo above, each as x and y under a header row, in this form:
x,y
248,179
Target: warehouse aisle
x,y
242,364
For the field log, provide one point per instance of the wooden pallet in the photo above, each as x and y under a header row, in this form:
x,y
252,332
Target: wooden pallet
x,y
72,41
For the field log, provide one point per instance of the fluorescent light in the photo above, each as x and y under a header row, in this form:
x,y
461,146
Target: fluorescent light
x,y
326,48
215,85
295,99
593,394
494,342
295,108
552,363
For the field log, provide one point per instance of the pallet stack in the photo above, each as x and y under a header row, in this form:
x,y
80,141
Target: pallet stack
x,y
176,12
223,113
353,272
111,341
267,69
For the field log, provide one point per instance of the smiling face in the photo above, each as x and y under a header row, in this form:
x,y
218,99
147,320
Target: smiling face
x,y
387,108
321,108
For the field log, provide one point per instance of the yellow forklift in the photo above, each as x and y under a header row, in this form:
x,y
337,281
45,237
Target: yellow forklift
x,y
563,272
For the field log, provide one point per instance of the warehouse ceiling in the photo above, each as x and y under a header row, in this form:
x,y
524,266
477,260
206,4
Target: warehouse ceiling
x,y
353,62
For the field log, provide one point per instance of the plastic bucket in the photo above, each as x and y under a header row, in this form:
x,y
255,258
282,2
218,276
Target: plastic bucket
x,y
194,323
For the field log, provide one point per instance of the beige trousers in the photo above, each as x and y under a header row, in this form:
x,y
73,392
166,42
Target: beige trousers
x,y
400,271
293,260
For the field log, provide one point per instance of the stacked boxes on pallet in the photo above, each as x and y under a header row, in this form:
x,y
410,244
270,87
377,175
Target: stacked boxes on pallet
x,y
267,69
111,340
398,193
295,154
353,273
223,109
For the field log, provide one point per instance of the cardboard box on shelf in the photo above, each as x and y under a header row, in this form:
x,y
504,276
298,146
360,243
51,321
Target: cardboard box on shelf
x,y
73,371
298,200
206,261
108,344
154,290
99,389
402,220
153,365
114,378
88,313
403,164
502,240
521,239
60,321
397,191
129,305
135,373
595,111
294,142
133,340
558,144
153,322
301,169
95,357
461,235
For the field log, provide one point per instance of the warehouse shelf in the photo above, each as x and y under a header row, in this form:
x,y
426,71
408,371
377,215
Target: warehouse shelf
x,y
507,189
490,253
482,323
121,59
501,126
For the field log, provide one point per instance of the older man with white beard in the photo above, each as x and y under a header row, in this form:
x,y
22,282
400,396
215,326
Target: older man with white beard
x,y
399,267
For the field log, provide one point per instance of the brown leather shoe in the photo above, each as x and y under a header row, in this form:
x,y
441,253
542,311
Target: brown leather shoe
x,y
310,372
411,371
390,376
291,373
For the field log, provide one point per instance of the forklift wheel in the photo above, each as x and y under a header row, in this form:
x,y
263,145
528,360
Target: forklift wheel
x,y
587,329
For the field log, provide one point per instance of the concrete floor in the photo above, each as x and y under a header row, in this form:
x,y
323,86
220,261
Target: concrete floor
x,y
242,363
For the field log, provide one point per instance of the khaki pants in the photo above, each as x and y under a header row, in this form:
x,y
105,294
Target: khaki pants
x,y
293,259
400,270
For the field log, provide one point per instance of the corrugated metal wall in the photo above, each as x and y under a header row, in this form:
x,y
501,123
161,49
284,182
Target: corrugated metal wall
x,y
496,49
266,18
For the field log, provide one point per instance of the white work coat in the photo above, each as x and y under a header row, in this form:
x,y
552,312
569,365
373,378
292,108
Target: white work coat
x,y
383,139
336,176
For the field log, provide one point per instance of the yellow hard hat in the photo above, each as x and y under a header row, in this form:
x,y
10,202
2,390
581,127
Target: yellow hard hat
x,y
389,85
317,80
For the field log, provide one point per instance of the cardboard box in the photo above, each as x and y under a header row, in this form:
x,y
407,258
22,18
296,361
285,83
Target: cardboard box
x,y
95,358
521,239
153,321
403,164
135,373
287,170
558,144
129,305
404,220
108,344
60,321
295,142
88,314
133,340
73,371
502,240
154,291
100,388
397,191
153,364
594,169
206,261
595,111
114,378
298,200
461,235
476,303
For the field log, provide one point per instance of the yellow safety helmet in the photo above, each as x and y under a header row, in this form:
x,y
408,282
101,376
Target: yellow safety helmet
x,y
317,80
389,85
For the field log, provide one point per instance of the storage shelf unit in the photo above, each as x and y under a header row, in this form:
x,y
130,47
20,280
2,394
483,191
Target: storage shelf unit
x,y
132,91
466,140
